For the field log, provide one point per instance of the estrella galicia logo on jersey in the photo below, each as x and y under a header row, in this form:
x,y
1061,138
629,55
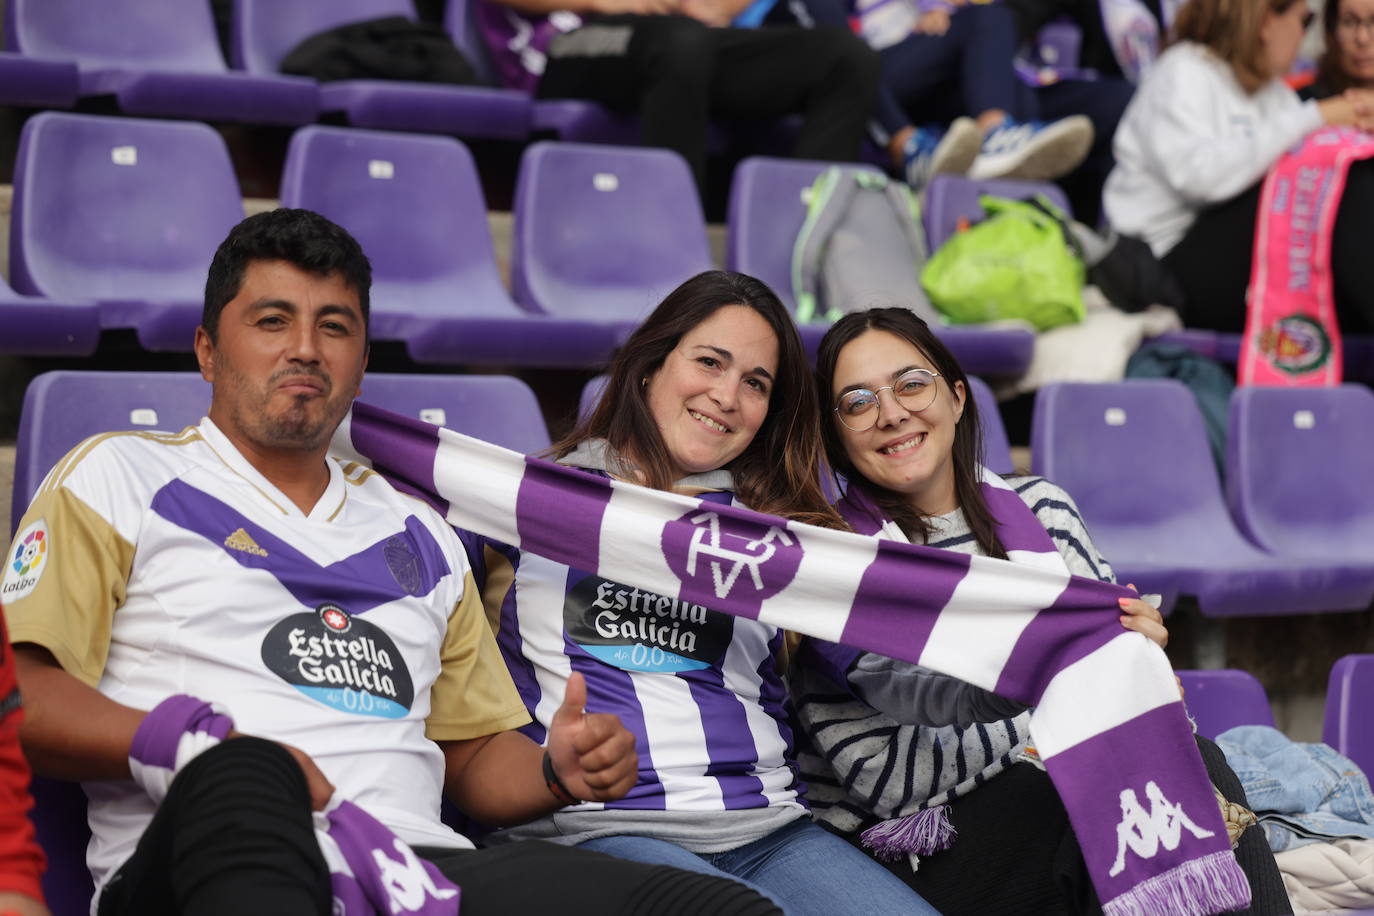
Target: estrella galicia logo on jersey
x,y
718,557
340,660
636,630
27,560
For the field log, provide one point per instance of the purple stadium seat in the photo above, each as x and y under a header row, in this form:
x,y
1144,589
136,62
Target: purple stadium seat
x,y
62,408
1349,694
266,30
36,83
952,198
1223,699
497,408
156,57
44,327
766,212
1134,456
1296,463
415,204
602,233
123,211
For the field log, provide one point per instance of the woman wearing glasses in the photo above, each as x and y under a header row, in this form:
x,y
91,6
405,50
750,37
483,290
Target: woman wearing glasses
x,y
930,770
1348,61
711,397
1205,126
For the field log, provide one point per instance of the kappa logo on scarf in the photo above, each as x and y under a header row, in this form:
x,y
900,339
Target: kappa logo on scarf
x,y
719,557
1296,344
1143,832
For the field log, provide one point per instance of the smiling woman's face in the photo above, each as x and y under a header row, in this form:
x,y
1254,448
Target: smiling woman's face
x,y
711,394
906,452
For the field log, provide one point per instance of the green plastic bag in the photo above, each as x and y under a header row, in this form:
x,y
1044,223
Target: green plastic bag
x,y
1017,263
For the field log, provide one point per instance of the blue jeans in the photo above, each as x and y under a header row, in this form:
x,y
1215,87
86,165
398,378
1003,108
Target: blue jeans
x,y
805,869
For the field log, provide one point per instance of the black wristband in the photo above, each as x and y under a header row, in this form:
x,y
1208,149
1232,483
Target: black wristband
x,y
555,785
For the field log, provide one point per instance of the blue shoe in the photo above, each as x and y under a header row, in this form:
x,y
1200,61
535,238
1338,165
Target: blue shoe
x,y
1033,150
931,151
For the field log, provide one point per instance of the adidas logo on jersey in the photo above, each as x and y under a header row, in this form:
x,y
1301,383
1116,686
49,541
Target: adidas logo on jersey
x,y
240,540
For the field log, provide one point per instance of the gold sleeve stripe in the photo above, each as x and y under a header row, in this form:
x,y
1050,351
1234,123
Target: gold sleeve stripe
x,y
500,580
473,694
68,463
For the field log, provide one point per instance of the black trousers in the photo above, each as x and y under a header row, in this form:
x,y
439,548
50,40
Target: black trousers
x,y
234,836
1016,855
1213,260
677,74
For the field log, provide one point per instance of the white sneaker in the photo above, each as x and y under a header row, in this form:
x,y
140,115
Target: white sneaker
x,y
929,153
1033,150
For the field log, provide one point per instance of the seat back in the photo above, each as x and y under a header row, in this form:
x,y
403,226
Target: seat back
x,y
1058,44
996,447
603,233
1296,461
119,208
415,205
496,408
460,22
1218,700
1132,453
1349,696
64,407
952,198
264,31
138,34
768,204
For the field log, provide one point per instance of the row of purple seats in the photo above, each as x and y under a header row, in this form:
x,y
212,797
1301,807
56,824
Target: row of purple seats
x,y
1219,700
142,205
161,58
1298,535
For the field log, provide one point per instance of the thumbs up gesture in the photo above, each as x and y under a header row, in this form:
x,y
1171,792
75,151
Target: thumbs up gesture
x,y
593,755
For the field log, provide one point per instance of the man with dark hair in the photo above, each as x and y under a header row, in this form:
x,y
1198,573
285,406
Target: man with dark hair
x,y
234,569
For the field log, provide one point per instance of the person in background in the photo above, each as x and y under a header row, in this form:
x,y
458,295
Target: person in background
x,y
677,64
1348,61
1207,123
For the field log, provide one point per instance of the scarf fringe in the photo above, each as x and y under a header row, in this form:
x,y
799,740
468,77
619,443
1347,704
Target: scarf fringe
x,y
1200,887
922,833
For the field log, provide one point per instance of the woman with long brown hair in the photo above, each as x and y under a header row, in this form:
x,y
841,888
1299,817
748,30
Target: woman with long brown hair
x,y
711,397
919,767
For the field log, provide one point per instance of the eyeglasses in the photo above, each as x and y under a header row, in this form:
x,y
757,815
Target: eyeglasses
x,y
1353,25
858,409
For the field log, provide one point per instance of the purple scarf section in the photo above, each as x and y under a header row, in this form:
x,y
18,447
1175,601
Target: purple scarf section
x,y
1109,723
371,872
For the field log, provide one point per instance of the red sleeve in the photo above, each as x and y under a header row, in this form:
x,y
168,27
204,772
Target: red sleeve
x,y
21,860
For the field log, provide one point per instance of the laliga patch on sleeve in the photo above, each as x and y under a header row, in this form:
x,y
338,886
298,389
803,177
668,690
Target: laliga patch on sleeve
x,y
27,559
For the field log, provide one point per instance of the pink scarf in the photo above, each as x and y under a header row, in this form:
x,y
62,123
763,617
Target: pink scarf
x,y
1292,338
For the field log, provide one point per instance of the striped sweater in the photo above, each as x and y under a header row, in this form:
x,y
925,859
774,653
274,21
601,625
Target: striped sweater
x,y
896,737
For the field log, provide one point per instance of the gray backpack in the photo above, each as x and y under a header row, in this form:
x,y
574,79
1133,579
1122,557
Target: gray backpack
x,y
861,245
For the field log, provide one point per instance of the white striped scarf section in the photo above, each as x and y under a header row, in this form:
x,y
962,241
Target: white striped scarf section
x,y
1109,723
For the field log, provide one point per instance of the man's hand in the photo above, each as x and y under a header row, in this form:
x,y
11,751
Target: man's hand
x,y
934,22
19,905
321,789
593,754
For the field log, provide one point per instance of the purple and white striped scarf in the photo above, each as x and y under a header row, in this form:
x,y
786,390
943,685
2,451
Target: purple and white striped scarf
x,y
1109,723
371,871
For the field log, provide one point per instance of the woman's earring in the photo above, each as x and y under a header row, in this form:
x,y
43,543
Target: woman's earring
x,y
644,382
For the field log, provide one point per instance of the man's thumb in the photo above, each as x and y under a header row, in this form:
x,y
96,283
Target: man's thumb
x,y
574,698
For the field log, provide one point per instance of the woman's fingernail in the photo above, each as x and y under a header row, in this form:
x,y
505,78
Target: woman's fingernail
x,y
1123,601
